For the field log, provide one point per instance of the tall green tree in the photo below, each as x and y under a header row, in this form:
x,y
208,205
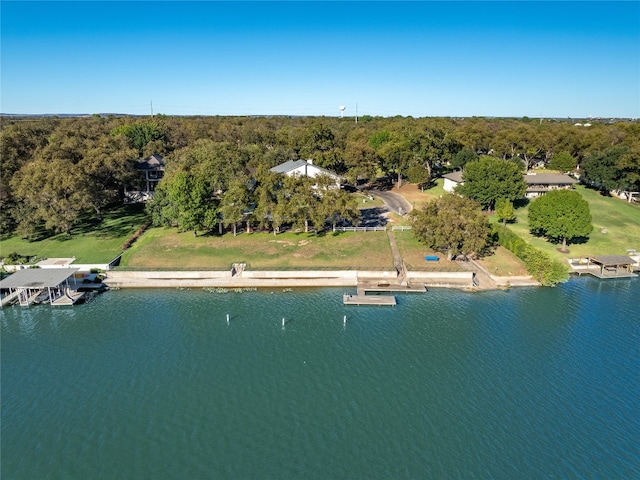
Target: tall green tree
x,y
55,193
453,225
560,215
489,179
563,161
462,157
139,134
234,203
189,203
336,204
505,211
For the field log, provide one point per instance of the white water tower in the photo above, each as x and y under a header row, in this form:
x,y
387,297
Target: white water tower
x,y
342,107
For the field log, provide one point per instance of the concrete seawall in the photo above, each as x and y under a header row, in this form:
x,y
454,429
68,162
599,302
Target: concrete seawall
x,y
257,279
284,279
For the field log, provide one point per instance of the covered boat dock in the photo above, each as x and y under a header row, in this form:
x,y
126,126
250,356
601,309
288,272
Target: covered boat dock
x,y
34,285
607,266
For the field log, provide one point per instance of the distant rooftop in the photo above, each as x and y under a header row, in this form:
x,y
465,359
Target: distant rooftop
x,y
152,162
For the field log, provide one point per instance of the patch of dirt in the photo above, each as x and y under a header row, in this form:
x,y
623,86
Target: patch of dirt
x,y
285,243
302,243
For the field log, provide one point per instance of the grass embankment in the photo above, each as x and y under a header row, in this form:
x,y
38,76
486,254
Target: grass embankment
x,y
616,228
90,242
164,248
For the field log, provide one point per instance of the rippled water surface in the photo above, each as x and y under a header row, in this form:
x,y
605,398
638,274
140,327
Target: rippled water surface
x,y
526,383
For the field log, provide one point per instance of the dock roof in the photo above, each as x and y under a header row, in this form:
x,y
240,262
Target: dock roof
x,y
612,260
37,277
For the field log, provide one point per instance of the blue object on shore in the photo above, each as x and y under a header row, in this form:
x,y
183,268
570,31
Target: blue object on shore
x,y
432,258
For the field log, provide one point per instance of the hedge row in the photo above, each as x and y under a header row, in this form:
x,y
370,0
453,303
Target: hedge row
x,y
541,266
135,236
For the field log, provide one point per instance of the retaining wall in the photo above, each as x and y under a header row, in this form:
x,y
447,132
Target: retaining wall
x,y
257,279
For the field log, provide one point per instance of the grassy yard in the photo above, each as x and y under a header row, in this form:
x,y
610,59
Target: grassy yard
x,y
90,242
166,248
413,253
616,228
503,263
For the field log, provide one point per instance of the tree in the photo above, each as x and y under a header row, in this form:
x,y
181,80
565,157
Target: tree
x,y
505,211
489,179
563,161
107,169
189,202
140,134
560,215
616,168
335,203
453,225
54,192
234,203
463,157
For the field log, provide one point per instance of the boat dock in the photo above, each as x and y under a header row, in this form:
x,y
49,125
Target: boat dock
x,y
362,297
388,300
605,266
39,285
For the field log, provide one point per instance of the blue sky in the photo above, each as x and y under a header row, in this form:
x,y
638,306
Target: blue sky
x,y
550,59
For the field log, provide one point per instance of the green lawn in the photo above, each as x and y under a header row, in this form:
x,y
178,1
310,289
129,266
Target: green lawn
x,y
413,253
165,248
91,242
616,228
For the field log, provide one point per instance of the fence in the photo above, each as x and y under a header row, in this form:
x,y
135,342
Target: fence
x,y
401,227
360,229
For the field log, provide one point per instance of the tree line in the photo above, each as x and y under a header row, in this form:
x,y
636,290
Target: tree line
x,y
53,170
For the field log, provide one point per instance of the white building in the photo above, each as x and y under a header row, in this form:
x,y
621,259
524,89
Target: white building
x,y
451,181
305,168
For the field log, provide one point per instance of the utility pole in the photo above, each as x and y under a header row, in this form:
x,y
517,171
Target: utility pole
x,y
151,102
356,113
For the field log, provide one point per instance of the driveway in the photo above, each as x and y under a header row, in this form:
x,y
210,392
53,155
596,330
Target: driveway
x,y
394,202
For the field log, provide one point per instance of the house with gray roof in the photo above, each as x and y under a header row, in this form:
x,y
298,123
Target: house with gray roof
x,y
537,183
451,181
152,167
541,183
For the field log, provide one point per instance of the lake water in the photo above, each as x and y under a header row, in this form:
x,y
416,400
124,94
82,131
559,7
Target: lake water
x,y
525,383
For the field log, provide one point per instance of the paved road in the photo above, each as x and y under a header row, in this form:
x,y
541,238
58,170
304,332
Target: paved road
x,y
394,202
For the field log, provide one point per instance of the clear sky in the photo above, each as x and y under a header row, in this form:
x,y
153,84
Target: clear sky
x,y
550,59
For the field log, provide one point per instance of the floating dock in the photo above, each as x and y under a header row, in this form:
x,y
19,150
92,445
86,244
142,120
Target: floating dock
x,y
388,300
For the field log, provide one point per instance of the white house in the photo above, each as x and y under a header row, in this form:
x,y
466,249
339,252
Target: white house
x,y
305,168
451,181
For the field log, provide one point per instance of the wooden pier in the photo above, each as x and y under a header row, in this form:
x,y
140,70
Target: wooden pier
x,y
361,298
388,300
70,297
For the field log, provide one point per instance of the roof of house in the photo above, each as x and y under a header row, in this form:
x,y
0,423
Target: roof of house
x,y
37,277
549,179
288,166
454,176
291,165
152,162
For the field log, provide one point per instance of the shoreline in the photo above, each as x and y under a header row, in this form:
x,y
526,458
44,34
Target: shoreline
x,y
307,278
